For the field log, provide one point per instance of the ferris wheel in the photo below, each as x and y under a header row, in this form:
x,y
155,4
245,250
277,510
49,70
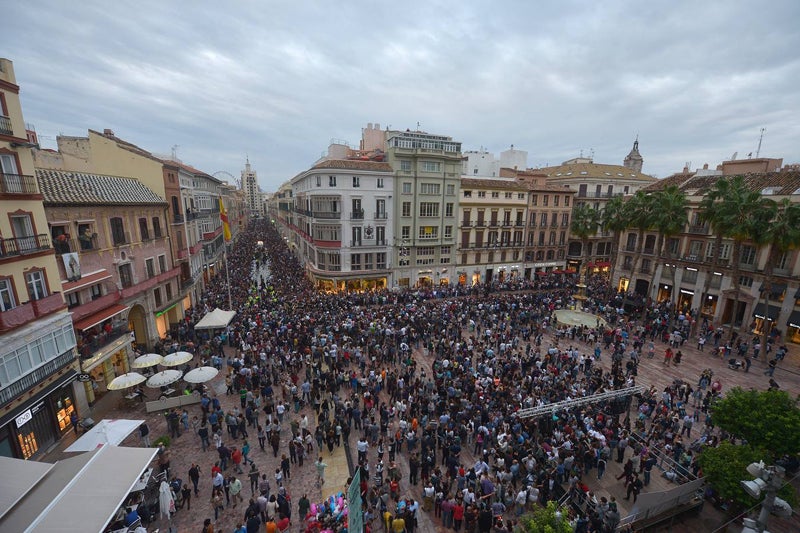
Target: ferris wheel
x,y
227,176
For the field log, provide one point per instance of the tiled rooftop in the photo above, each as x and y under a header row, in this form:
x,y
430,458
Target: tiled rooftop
x,y
77,188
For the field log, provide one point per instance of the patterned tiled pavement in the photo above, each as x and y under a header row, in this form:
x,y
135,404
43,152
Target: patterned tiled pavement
x,y
186,449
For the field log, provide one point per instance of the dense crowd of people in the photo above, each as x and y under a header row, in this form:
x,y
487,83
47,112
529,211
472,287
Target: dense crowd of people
x,y
430,384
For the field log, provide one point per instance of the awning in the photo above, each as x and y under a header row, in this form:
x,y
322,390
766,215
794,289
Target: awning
x,y
19,477
80,494
602,264
775,290
85,281
104,432
541,273
569,271
100,316
774,311
794,320
216,319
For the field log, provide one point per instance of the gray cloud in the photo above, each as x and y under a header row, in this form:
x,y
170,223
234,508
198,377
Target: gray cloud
x,y
278,80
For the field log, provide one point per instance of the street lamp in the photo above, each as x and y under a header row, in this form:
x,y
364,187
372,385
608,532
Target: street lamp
x,y
769,480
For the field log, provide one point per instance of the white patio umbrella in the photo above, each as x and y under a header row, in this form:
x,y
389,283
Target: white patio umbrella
x,y
125,381
163,378
166,502
147,360
177,358
200,374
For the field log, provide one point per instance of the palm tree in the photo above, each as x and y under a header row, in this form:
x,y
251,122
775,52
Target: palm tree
x,y
585,221
638,214
669,218
735,216
780,230
612,220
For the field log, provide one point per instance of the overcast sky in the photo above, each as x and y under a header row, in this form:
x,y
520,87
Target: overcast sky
x,y
278,80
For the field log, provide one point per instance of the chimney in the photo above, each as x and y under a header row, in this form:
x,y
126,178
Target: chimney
x,y
705,167
108,132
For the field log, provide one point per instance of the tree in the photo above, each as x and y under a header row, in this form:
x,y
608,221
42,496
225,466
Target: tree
x,y
544,520
765,420
585,221
668,218
637,212
725,466
612,220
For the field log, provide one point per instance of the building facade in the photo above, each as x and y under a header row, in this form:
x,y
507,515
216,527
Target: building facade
x,y
427,170
595,184
692,280
340,223
119,281
492,215
38,370
252,191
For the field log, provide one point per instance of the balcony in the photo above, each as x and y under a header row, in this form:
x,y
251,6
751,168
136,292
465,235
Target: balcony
x,y
88,347
519,223
177,218
585,194
380,215
5,125
24,245
83,243
357,215
48,304
24,313
507,224
330,215
480,224
630,248
649,251
466,223
699,229
18,184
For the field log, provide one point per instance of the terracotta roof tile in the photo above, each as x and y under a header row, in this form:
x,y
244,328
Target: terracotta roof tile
x,y
77,188
479,183
353,164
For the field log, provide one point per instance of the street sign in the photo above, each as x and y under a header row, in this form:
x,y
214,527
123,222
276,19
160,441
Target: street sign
x,y
84,378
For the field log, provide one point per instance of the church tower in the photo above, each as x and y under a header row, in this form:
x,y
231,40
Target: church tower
x,y
634,159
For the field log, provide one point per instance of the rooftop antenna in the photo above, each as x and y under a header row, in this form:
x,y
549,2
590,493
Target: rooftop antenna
x,y
591,154
760,138
175,152
417,125
581,153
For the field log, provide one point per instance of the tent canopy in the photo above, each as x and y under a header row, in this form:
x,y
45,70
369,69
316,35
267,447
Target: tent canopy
x,y
104,432
216,319
77,495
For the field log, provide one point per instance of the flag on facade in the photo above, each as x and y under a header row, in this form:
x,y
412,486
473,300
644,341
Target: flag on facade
x,y
223,216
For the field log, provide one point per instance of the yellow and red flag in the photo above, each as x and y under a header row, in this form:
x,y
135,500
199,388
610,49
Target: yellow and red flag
x,y
223,216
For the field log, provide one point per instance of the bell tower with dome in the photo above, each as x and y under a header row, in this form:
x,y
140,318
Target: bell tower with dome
x,y
634,159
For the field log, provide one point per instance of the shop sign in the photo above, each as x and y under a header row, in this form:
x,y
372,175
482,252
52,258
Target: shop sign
x,y
84,378
24,418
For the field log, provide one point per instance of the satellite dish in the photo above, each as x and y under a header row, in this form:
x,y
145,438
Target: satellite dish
x,y
733,157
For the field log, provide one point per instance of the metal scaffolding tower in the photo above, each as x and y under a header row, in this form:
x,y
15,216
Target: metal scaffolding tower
x,y
552,408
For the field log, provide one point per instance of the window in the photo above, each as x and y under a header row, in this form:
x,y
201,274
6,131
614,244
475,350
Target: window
x,y
450,189
126,276
380,259
467,194
566,201
444,255
520,196
162,263
405,232
379,183
429,188
431,166
746,281
562,238
509,195
545,199
748,255
565,219
73,300
405,165
7,300
356,233
406,209
429,209
477,257
406,187
380,235
481,194
543,221
156,227
495,194
725,251
117,231
555,200
424,251
331,181
356,181
37,287
22,228
448,232
149,266
97,291
355,261
143,231
429,232
168,288
319,181
448,209
534,199
157,296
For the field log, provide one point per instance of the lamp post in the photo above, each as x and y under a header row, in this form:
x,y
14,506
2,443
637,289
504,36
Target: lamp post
x,y
769,479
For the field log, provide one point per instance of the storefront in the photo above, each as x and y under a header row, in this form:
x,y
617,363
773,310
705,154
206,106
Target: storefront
x,y
664,292
766,320
106,364
793,325
685,298
462,278
32,428
709,305
622,286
